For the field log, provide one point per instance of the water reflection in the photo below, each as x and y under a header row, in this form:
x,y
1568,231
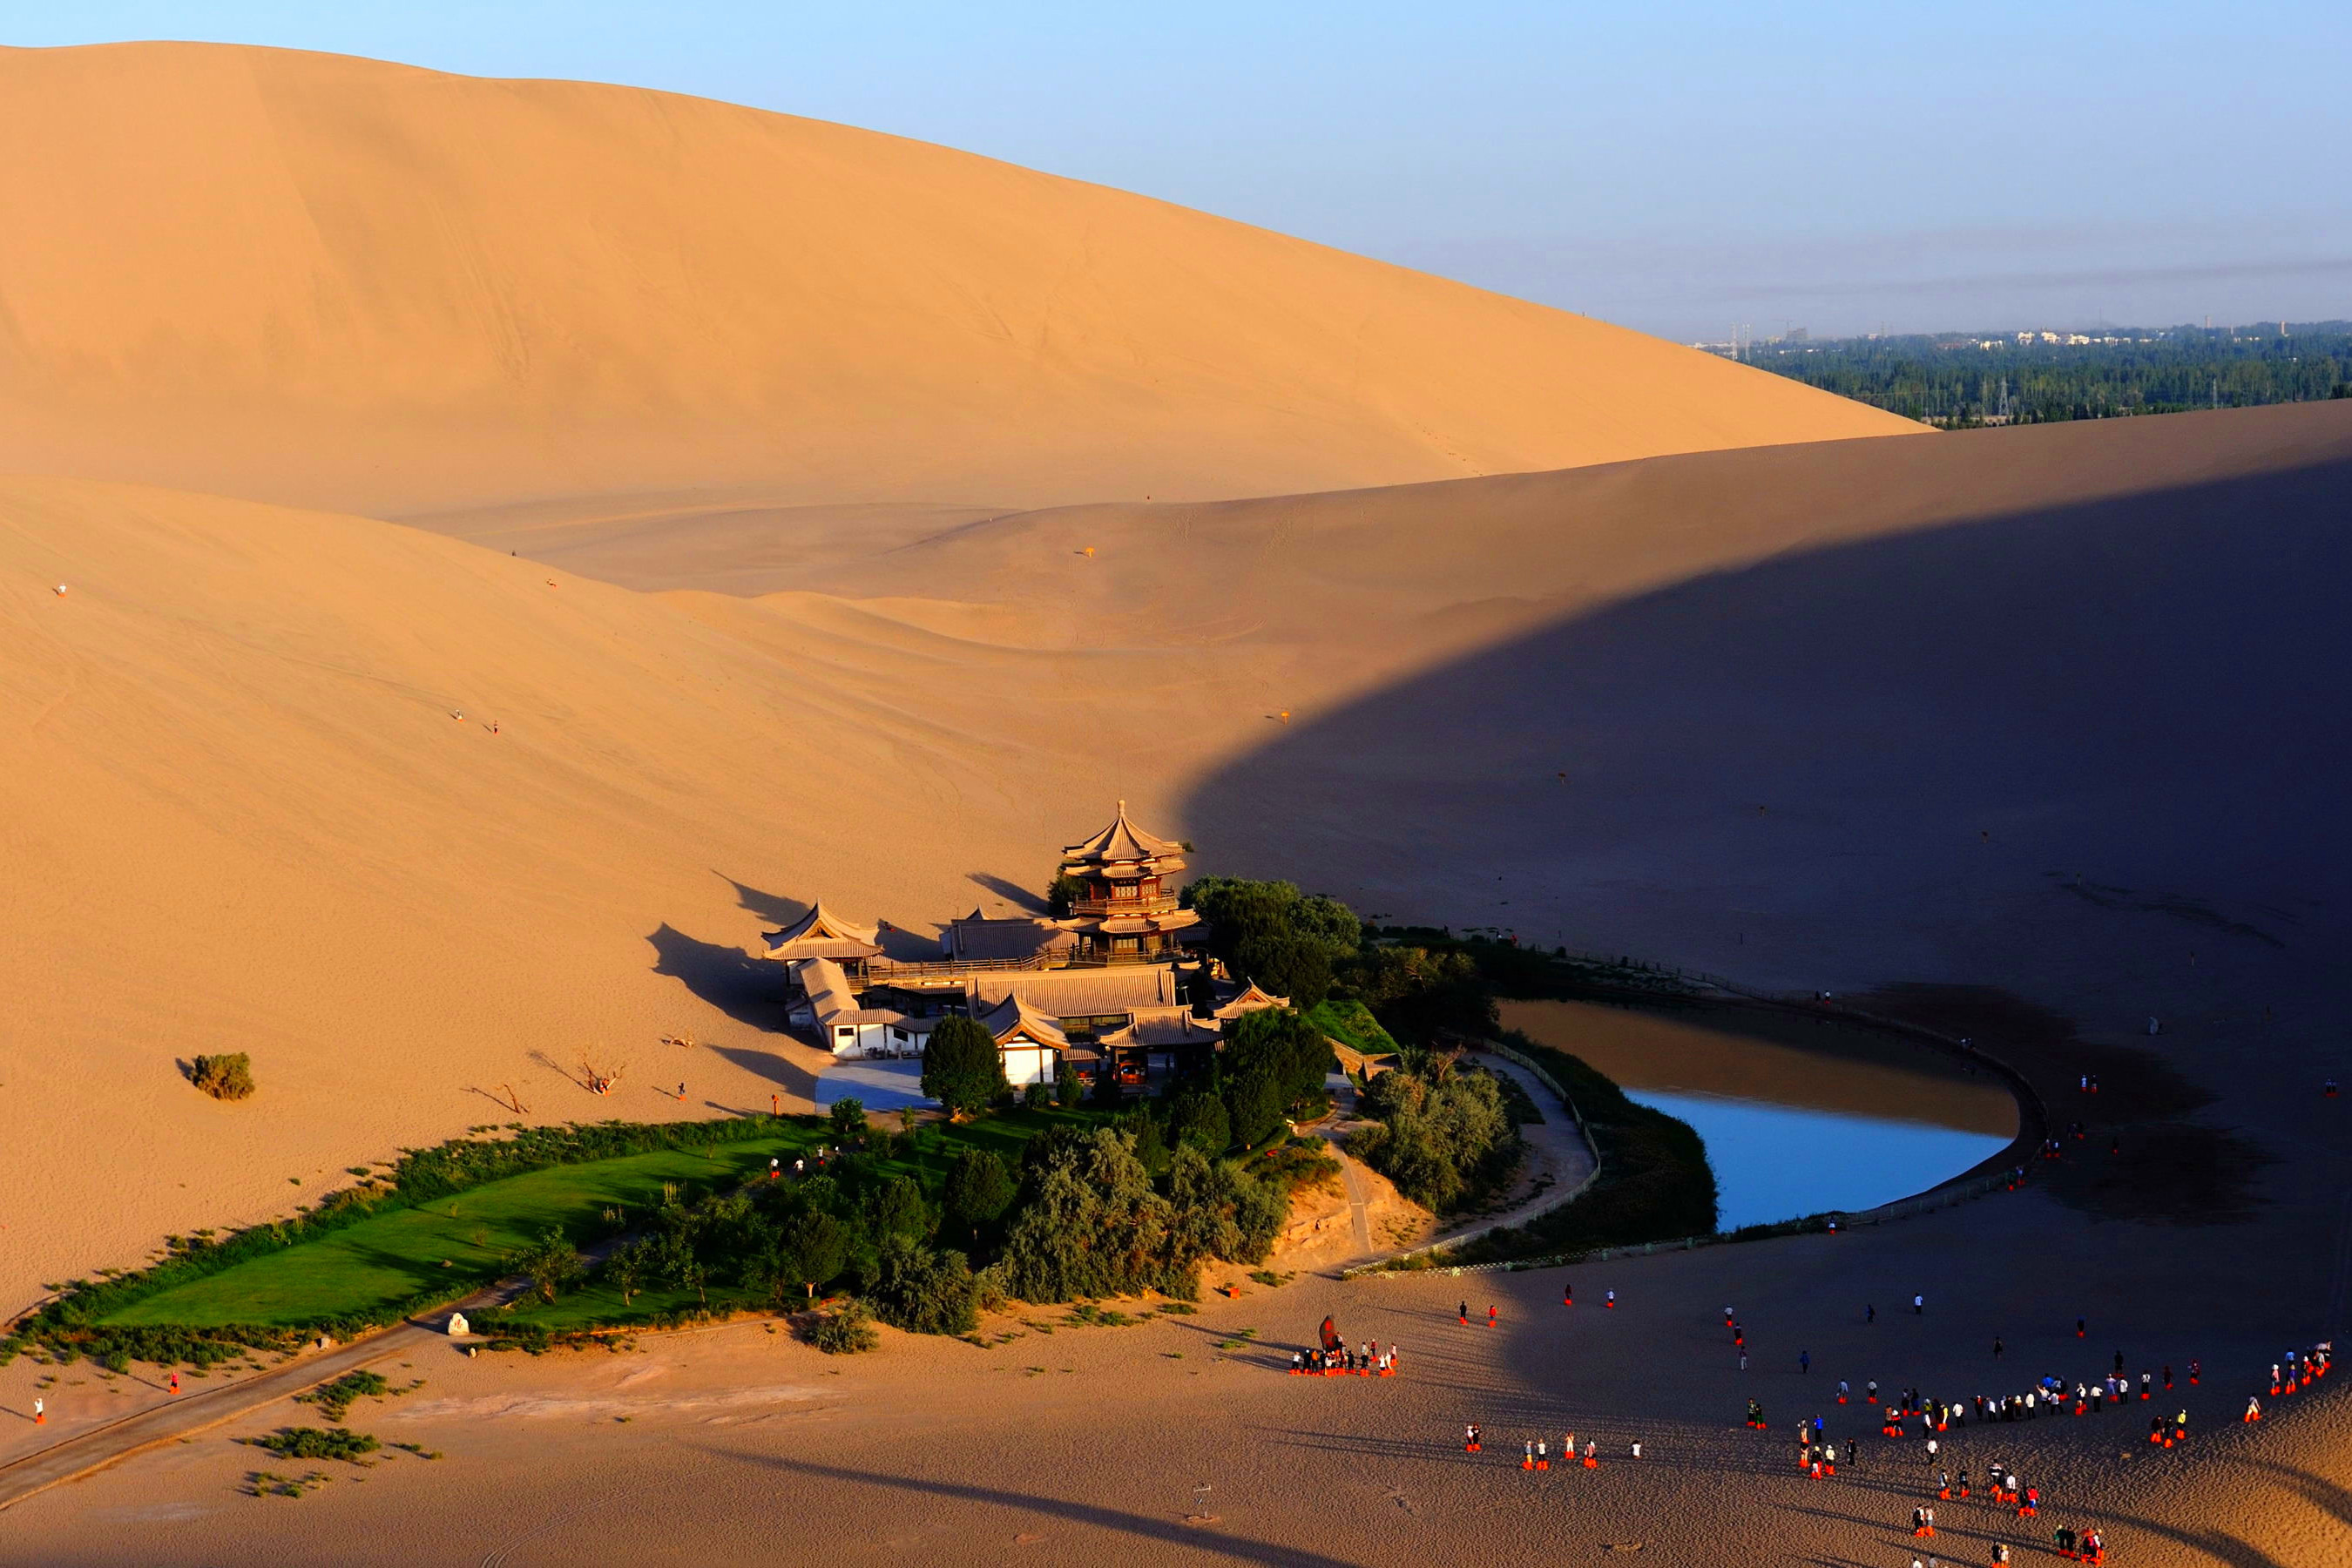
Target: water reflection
x,y
1798,1117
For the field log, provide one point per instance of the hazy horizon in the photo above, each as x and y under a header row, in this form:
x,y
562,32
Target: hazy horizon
x,y
1839,169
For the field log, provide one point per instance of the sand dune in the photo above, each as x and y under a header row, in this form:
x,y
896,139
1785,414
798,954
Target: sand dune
x,y
244,814
337,282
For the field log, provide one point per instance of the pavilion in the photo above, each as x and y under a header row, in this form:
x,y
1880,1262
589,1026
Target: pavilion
x,y
1113,987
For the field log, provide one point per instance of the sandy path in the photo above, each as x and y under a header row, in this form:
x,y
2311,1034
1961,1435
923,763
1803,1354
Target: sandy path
x,y
178,1420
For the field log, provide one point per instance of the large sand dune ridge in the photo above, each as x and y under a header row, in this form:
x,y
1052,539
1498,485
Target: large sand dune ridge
x,y
338,282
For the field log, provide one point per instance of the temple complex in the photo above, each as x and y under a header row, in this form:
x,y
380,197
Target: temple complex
x,y
1113,987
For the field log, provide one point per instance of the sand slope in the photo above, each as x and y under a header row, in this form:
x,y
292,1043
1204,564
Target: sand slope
x,y
242,815
335,282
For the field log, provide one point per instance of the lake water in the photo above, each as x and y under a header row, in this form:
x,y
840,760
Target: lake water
x,y
1798,1117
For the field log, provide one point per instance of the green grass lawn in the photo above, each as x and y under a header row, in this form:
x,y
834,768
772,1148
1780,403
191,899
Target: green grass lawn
x,y
1352,1023
396,1257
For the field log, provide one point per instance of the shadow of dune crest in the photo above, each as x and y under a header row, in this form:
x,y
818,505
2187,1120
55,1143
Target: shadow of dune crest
x,y
1860,761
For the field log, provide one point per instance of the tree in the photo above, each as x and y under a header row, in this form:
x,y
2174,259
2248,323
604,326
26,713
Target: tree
x,y
1275,915
1286,964
550,1262
812,1249
962,1069
1287,1048
627,1265
979,1190
1063,894
898,1208
1088,1223
848,1118
1199,1120
1067,1088
1254,1105
1437,1133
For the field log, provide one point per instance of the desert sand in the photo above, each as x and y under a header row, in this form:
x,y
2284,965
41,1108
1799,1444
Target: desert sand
x,y
341,283
2030,732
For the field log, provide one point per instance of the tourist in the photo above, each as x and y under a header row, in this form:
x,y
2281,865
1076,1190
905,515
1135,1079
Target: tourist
x,y
2254,1409
1462,1310
1919,1306
1567,1294
2080,1328
1470,1439
175,1380
1996,1347
40,1411
1842,1390
1609,1300
1869,1313
1490,1314
1873,1386
1804,1361
1637,1447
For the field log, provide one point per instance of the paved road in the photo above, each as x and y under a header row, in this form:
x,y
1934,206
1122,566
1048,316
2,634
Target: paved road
x,y
198,1412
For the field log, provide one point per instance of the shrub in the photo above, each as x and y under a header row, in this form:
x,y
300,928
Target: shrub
x,y
845,1330
847,1118
335,1398
962,1069
923,1291
311,1443
223,1078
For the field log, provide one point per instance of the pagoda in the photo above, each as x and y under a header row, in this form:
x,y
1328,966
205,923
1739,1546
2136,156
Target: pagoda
x,y
1125,909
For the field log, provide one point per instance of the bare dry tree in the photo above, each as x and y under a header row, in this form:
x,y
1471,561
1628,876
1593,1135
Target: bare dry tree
x,y
685,1042
601,1082
514,1101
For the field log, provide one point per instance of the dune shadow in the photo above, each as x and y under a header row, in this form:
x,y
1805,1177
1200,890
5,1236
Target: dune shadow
x,y
1166,1531
2125,688
746,989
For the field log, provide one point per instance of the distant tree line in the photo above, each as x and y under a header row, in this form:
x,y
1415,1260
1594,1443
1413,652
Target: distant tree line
x,y
1952,381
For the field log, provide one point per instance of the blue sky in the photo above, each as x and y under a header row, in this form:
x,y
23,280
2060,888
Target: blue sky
x,y
1675,166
